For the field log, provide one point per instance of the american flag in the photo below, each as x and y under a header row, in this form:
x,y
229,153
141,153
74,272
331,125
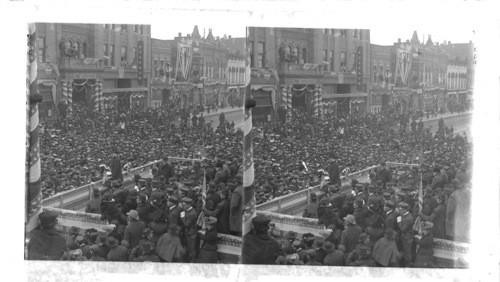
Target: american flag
x,y
417,224
201,216
33,187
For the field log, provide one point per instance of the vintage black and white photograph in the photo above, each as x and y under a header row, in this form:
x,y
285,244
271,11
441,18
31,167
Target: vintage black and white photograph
x,y
134,144
242,140
362,152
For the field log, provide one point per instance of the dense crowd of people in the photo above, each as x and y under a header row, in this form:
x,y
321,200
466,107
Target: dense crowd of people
x,y
291,156
377,222
76,149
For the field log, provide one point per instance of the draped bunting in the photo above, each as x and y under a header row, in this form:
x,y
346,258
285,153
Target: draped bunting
x,y
249,202
98,99
68,94
34,195
317,105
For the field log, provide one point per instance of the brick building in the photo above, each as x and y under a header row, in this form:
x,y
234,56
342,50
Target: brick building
x,y
316,68
93,64
460,73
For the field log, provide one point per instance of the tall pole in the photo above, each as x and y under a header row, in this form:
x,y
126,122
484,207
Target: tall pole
x,y
248,167
33,167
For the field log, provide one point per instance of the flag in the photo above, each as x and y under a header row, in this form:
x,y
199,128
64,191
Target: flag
x,y
33,187
417,224
201,216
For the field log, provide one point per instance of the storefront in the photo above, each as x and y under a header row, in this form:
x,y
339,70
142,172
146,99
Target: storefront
x,y
48,89
124,98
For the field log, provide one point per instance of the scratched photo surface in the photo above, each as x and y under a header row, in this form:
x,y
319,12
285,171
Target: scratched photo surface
x,y
134,144
362,152
302,103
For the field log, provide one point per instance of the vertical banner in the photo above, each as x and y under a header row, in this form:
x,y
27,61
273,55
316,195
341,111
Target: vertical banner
x,y
33,193
248,168
359,68
201,216
140,62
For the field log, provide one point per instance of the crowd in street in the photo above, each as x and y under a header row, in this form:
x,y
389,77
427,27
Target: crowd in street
x,y
76,149
292,156
375,223
161,219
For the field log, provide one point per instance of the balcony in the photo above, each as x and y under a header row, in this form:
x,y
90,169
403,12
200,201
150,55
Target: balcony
x,y
82,64
300,69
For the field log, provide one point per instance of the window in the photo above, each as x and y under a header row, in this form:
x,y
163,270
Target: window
x,y
124,56
104,26
262,54
76,49
123,28
332,31
325,56
136,28
343,61
41,49
331,61
134,58
141,28
105,52
304,55
112,54
343,33
326,30
252,59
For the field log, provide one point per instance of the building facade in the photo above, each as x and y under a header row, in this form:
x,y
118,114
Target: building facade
x,y
381,78
460,74
319,70
96,65
161,71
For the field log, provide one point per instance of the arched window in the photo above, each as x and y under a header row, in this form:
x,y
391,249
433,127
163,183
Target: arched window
x,y
304,55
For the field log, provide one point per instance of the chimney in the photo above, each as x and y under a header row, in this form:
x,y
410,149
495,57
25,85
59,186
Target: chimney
x,y
180,34
399,40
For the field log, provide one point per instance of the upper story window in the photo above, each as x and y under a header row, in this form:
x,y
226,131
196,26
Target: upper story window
x,y
343,33
41,49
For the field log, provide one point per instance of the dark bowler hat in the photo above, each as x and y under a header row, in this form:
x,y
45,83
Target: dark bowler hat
x,y
96,191
188,201
390,204
47,218
260,222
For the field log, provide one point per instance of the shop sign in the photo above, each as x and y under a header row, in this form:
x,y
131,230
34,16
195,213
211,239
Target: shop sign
x,y
81,76
303,81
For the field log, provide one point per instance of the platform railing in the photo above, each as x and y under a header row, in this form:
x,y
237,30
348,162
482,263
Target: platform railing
x,y
229,247
76,197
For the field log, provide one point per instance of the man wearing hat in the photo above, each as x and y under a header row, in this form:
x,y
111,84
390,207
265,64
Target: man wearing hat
x,y
405,224
94,204
364,258
116,167
384,174
166,170
208,249
458,212
116,252
46,243
438,218
133,231
390,216
334,257
360,212
188,219
258,246
351,233
221,212
333,172
147,236
174,211
220,175
311,209
236,207
429,203
425,242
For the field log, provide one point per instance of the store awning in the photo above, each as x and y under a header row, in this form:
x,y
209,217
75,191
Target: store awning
x,y
116,90
345,95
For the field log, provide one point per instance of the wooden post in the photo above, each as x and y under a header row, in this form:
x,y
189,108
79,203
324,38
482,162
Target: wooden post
x,y
61,202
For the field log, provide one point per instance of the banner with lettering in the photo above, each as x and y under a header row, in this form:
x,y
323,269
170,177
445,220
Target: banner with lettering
x,y
359,68
140,62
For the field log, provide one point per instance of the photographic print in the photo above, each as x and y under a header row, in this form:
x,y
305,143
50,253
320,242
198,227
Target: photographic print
x,y
362,152
134,144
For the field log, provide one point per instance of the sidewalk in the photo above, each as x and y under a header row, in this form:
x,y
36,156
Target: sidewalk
x,y
444,116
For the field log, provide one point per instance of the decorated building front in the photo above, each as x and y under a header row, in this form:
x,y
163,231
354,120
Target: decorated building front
x,y
264,90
